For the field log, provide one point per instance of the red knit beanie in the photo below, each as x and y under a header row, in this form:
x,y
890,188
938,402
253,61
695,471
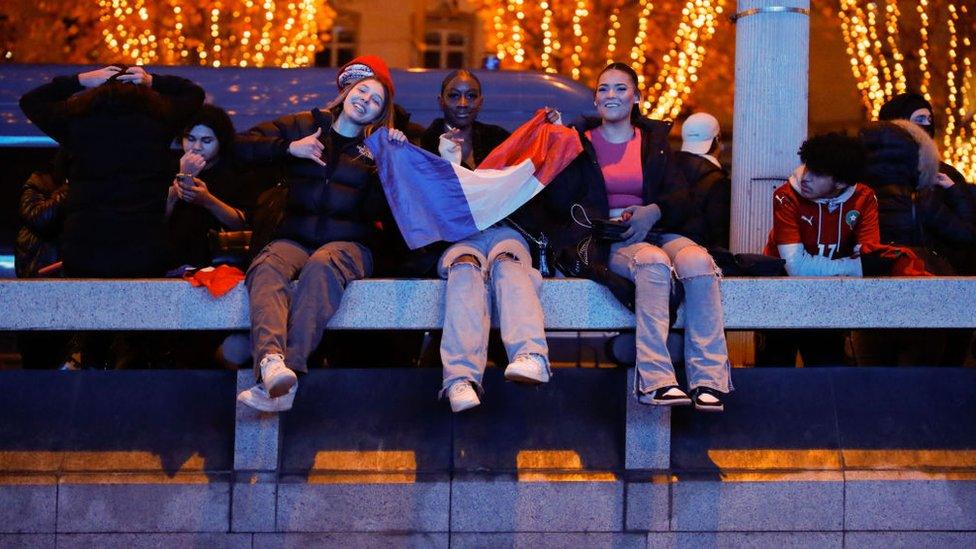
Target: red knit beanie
x,y
365,66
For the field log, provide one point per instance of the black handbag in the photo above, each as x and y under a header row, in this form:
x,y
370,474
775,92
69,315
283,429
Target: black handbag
x,y
542,254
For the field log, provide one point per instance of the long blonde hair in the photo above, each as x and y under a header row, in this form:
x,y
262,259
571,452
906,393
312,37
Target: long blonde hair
x,y
383,119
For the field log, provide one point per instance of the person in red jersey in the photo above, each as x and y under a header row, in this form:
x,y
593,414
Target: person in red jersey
x,y
822,216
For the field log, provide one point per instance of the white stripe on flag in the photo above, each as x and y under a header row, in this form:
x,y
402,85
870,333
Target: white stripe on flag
x,y
493,195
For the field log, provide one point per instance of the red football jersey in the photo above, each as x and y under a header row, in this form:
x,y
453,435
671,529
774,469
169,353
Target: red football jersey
x,y
830,228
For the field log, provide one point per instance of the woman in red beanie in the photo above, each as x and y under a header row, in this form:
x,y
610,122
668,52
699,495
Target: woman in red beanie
x,y
333,197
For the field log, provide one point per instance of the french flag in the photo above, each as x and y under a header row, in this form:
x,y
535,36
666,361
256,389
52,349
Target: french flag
x,y
433,199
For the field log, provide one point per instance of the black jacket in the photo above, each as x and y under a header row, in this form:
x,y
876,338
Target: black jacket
x,y
42,217
336,202
484,137
939,222
120,141
711,195
582,183
189,224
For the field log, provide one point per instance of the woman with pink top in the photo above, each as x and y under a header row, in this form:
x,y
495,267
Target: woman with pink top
x,y
626,174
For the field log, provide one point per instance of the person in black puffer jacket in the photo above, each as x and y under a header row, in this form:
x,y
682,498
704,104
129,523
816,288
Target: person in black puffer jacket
x,y
950,201
627,171
333,199
38,250
918,206
118,129
902,167
914,108
42,214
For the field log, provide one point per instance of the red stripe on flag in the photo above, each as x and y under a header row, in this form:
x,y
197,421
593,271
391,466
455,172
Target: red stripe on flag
x,y
550,147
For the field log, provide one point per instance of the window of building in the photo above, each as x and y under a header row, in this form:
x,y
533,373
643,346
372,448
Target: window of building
x,y
340,42
445,48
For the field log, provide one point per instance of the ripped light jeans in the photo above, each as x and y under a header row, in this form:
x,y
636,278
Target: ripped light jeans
x,y
650,267
491,266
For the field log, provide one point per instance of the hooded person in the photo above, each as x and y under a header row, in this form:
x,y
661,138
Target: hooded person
x,y
915,210
332,201
917,207
914,108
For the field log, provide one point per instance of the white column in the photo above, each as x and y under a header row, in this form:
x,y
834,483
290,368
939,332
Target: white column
x,y
770,116
769,122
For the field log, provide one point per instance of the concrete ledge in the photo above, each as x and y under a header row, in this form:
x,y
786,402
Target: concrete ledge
x,y
28,505
357,540
502,504
548,540
257,435
910,501
569,304
909,540
97,505
648,432
28,541
422,505
757,540
756,502
153,541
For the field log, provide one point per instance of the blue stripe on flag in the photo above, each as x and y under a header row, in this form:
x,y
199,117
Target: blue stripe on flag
x,y
423,191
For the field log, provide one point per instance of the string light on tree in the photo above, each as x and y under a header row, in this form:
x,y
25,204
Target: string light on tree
x,y
680,70
637,52
880,68
219,33
530,35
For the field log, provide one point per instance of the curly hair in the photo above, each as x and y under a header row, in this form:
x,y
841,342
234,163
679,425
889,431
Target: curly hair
x,y
837,155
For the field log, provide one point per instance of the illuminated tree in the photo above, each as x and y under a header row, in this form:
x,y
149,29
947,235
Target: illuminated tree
x,y
222,32
43,31
171,32
663,40
890,44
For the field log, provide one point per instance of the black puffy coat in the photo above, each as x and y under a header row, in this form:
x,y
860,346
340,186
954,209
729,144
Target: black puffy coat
x,y
911,211
42,217
119,137
582,183
336,202
711,196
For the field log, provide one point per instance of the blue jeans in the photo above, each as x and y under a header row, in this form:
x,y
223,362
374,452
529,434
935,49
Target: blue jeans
x,y
650,267
500,271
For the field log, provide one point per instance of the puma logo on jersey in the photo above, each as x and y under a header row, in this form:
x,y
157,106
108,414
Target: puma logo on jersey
x,y
808,219
779,198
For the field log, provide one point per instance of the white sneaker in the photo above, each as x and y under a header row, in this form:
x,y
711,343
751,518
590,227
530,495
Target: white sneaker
x,y
527,369
277,378
462,396
257,397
